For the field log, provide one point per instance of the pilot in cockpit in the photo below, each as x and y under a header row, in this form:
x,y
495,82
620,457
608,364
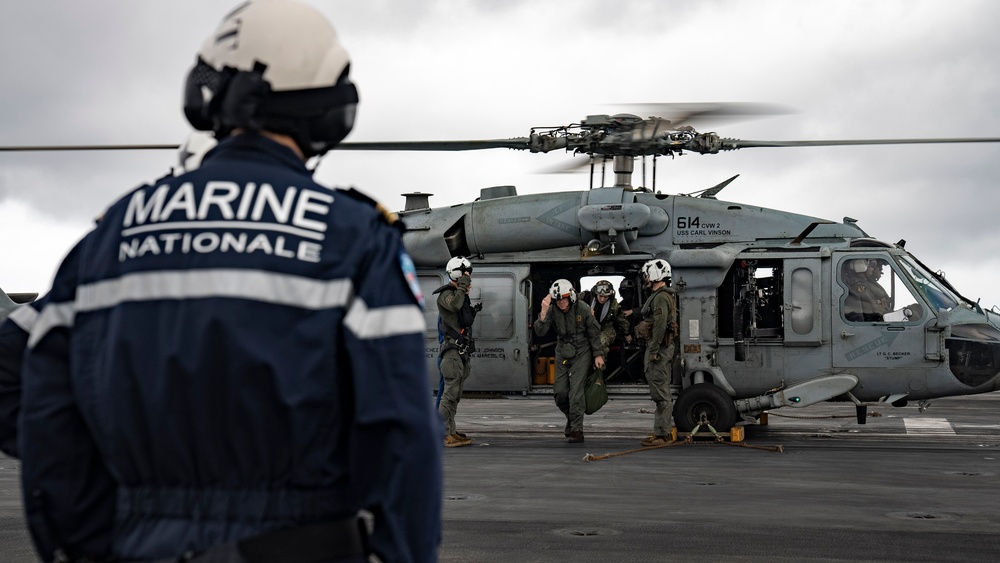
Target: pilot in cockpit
x,y
867,300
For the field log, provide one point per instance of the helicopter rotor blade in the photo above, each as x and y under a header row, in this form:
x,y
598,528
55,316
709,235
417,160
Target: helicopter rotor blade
x,y
687,113
519,143
68,148
522,143
734,144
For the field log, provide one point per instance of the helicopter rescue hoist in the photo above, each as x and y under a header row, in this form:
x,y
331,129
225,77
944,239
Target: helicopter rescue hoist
x,y
776,309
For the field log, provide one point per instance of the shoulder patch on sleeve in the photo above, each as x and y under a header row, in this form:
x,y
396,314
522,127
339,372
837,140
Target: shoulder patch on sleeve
x,y
388,216
410,273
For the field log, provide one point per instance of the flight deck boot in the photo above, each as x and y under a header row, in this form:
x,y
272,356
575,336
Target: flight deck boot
x,y
456,441
653,440
575,437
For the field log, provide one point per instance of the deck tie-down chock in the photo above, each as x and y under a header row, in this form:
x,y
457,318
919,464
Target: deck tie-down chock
x,y
735,436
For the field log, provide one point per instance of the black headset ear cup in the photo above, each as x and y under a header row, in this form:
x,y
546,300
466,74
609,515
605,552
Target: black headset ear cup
x,y
331,128
242,100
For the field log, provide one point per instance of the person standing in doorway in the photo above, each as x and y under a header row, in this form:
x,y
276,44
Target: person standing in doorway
x,y
609,315
578,349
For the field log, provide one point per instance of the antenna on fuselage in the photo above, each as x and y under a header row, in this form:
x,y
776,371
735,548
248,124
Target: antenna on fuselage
x,y
710,193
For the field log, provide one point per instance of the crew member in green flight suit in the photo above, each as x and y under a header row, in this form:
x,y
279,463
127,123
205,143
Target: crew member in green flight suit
x,y
578,349
659,314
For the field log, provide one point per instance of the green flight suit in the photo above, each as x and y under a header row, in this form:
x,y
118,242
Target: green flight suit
x,y
660,310
578,340
611,317
455,364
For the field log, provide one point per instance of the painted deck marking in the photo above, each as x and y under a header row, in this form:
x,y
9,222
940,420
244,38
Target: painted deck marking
x,y
925,426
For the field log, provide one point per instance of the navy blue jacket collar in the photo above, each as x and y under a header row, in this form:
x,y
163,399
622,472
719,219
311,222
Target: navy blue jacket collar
x,y
257,147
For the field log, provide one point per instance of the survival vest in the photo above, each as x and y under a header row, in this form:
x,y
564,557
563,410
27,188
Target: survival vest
x,y
460,339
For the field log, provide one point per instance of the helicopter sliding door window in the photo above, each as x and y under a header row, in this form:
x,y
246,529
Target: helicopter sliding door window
x,y
802,304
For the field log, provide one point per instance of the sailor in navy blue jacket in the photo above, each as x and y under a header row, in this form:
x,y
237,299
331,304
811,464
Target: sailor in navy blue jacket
x,y
236,353
235,350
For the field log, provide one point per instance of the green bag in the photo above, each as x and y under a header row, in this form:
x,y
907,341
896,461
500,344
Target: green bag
x,y
596,392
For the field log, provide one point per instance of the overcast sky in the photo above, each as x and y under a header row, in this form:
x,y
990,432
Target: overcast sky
x,y
107,71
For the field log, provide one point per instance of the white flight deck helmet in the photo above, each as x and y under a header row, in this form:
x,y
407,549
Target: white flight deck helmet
x,y
274,65
193,150
561,289
458,266
656,270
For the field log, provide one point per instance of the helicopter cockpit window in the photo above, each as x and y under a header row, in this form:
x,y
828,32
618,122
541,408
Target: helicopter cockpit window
x,y
873,290
935,293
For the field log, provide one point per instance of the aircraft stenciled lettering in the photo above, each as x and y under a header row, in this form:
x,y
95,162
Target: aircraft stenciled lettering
x,y
893,355
694,226
688,222
549,217
887,338
510,220
491,353
161,223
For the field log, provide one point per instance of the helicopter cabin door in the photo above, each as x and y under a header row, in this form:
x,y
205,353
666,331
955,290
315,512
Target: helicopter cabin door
x,y
500,361
877,321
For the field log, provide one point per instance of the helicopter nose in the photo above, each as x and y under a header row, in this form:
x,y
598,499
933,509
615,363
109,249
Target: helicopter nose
x,y
974,355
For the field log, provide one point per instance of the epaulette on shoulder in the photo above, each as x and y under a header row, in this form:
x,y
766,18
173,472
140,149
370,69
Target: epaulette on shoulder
x,y
389,217
164,178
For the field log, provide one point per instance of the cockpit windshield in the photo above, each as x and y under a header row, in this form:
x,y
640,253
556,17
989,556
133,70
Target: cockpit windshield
x,y
937,295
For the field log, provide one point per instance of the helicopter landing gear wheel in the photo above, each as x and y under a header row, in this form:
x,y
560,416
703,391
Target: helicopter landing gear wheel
x,y
708,400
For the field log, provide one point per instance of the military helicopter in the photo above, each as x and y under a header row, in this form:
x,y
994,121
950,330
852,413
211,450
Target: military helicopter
x,y
773,306
776,309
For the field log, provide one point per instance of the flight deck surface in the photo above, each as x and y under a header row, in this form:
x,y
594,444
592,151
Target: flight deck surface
x,y
906,486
